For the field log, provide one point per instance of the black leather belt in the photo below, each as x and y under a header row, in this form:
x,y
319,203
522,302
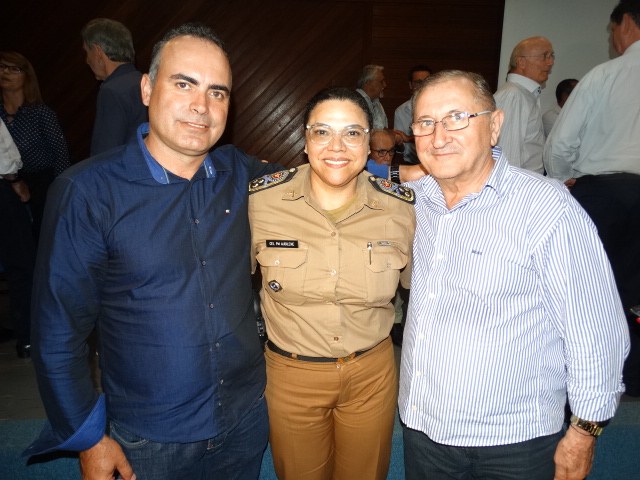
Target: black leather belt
x,y
608,176
304,358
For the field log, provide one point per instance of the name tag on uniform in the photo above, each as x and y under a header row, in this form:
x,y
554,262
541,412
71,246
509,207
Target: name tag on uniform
x,y
282,243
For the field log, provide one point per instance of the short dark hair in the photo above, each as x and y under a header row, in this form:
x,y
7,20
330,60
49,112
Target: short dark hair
x,y
482,92
338,93
112,37
630,7
565,86
418,68
192,29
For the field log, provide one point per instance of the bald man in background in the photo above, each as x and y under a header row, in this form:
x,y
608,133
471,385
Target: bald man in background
x,y
522,135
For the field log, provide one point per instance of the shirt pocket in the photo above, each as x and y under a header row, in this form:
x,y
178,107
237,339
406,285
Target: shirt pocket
x,y
284,272
382,271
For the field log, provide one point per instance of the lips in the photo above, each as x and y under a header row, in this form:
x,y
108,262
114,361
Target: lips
x,y
333,162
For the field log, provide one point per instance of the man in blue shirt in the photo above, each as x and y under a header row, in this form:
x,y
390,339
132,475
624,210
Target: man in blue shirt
x,y
513,307
149,244
119,110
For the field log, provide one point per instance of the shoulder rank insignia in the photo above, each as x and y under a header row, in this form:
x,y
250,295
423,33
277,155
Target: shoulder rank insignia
x,y
383,185
271,180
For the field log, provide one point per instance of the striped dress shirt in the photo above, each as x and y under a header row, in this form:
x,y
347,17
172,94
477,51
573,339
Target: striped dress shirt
x,y
513,307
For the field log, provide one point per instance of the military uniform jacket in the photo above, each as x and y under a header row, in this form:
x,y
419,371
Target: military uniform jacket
x,y
327,288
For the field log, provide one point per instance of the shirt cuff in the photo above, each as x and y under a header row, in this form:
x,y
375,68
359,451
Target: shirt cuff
x,y
88,435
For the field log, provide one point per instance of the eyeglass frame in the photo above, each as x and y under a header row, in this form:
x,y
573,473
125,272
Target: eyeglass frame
x,y
387,152
545,56
334,133
8,68
466,114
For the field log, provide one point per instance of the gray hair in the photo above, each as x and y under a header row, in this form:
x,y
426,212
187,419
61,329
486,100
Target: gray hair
x,y
112,37
385,133
192,29
368,73
482,93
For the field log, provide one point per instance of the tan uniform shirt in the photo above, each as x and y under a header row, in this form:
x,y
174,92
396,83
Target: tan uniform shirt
x,y
327,288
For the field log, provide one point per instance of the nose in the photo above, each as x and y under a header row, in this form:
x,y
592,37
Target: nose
x,y
199,103
440,136
336,143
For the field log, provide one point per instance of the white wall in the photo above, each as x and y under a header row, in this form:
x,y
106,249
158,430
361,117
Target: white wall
x,y
576,28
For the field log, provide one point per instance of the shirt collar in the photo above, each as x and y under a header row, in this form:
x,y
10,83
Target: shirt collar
x,y
120,71
158,172
525,82
300,186
635,46
498,178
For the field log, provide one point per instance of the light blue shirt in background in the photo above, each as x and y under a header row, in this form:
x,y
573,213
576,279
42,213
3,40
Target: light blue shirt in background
x,y
598,130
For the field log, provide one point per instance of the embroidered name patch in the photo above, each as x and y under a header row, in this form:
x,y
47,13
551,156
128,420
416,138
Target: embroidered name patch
x,y
282,243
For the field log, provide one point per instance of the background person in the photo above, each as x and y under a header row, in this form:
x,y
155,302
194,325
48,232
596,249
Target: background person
x,y
595,148
563,90
17,245
332,243
522,135
34,128
119,109
403,117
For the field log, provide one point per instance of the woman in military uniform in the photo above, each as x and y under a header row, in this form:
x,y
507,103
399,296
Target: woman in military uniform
x,y
332,243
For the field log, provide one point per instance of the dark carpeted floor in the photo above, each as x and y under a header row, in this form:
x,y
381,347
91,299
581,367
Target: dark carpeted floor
x,y
616,452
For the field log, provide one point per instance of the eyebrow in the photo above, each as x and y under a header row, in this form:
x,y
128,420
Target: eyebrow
x,y
450,112
193,81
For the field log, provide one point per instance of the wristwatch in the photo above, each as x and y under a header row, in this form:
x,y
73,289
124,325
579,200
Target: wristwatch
x,y
590,427
394,173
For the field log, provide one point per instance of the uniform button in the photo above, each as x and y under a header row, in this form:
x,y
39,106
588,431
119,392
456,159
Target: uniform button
x,y
440,256
211,305
374,203
196,221
277,262
432,295
219,404
414,408
388,265
333,272
333,234
217,345
221,382
204,263
336,338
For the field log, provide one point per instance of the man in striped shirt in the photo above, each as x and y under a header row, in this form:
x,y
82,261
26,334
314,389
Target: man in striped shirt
x,y
513,309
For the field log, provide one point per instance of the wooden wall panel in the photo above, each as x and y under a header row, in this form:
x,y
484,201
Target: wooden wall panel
x,y
282,52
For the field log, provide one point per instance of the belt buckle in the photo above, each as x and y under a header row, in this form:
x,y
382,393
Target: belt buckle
x,y
351,356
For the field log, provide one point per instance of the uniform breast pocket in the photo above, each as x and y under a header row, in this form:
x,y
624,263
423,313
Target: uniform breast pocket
x,y
284,272
383,262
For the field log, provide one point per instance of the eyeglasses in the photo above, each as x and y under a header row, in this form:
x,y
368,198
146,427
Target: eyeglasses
x,y
352,136
455,121
10,69
384,153
545,56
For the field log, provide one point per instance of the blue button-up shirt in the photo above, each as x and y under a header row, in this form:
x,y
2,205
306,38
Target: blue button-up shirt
x,y
160,266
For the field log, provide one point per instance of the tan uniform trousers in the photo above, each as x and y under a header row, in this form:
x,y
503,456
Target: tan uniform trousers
x,y
332,421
